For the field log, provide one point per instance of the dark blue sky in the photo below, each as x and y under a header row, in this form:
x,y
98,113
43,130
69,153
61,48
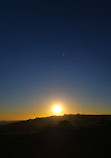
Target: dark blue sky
x,y
55,51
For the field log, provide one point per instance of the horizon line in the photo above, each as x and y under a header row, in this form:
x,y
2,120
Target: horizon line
x,y
55,116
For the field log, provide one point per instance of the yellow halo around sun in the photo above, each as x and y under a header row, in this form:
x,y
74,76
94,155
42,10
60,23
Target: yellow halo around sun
x,y
57,109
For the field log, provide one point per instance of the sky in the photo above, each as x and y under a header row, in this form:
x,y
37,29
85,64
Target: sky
x,y
54,52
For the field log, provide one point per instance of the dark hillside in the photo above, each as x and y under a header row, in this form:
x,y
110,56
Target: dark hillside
x,y
57,136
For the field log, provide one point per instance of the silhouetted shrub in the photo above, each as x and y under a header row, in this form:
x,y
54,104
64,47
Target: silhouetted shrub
x,y
64,125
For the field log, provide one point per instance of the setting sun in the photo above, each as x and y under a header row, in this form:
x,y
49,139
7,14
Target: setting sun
x,y
57,109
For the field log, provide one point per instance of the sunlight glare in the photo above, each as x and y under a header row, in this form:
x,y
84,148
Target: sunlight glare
x,y
57,109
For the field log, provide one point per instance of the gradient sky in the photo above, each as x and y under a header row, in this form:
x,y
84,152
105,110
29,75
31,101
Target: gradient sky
x,y
54,52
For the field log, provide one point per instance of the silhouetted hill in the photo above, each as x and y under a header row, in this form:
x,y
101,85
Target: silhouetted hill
x,y
35,125
6,122
57,136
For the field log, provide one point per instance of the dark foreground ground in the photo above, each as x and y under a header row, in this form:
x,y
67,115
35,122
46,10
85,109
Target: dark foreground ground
x,y
65,136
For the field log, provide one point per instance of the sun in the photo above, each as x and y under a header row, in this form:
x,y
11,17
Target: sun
x,y
57,109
